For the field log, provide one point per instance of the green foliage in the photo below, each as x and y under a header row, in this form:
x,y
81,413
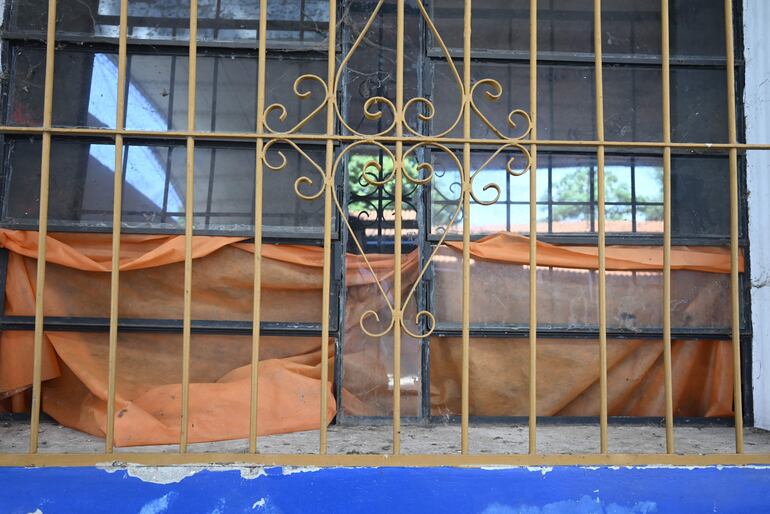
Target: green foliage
x,y
358,185
574,187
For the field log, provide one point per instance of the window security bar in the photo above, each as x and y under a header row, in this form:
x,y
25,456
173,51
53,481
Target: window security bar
x,y
400,142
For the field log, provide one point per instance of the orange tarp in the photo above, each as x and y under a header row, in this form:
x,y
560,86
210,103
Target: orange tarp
x,y
149,365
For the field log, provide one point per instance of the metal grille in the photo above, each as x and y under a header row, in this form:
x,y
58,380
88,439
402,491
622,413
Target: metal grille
x,y
400,142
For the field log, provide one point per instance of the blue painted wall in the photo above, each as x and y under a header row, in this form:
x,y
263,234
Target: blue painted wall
x,y
391,490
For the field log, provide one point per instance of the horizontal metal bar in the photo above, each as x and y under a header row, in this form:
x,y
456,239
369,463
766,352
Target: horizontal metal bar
x,y
244,46
625,239
355,421
209,140
303,137
382,460
585,203
580,58
221,23
294,238
92,324
96,324
582,332
658,421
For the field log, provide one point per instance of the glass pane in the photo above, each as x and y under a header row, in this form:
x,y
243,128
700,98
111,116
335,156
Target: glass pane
x,y
630,27
371,70
699,105
700,192
633,104
499,380
567,192
85,88
222,285
566,105
218,20
368,377
85,91
371,206
563,25
154,190
567,297
698,28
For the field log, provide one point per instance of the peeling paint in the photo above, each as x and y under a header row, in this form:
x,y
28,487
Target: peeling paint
x,y
174,474
544,470
304,469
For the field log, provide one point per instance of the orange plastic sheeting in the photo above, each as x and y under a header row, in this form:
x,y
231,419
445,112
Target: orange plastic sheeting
x,y
149,365
568,377
514,249
92,252
148,402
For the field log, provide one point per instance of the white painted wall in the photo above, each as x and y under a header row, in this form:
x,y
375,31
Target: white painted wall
x,y
757,107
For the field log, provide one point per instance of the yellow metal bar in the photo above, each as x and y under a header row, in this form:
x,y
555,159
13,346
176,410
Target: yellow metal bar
x,y
188,226
374,460
734,249
666,90
466,191
601,227
533,230
45,174
398,194
259,168
254,136
117,206
327,242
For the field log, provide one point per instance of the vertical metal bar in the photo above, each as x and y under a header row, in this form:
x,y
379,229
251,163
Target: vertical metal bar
x,y
466,303
533,230
398,194
425,83
734,250
117,206
169,125
45,175
188,225
328,192
666,90
214,93
601,234
256,313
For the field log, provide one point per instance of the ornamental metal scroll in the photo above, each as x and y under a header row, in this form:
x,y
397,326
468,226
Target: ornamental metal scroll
x,y
400,143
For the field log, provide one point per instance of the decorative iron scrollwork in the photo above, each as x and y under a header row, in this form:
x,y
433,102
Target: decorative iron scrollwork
x,y
414,145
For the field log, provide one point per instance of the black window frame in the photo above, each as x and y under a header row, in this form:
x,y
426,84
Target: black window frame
x,y
425,240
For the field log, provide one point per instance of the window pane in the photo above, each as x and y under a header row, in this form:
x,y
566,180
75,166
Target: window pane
x,y
85,88
633,104
371,209
568,383
566,105
154,190
371,70
222,282
567,298
567,192
630,27
699,105
700,192
85,91
218,20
